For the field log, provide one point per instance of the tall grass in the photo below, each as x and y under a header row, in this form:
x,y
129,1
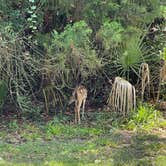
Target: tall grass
x,y
146,118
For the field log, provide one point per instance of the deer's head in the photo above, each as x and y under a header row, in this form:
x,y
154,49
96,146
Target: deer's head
x,y
72,99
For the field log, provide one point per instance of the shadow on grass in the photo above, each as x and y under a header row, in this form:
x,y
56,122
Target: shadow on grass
x,y
143,150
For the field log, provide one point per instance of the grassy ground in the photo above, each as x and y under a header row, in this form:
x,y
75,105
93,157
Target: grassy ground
x,y
95,142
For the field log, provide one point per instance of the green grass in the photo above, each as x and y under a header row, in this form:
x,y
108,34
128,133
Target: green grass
x,y
67,131
144,150
67,151
100,150
98,142
145,118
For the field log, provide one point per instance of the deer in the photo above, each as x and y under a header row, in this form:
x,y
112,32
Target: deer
x,y
79,96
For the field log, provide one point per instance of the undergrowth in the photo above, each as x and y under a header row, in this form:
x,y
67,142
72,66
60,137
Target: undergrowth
x,y
99,140
55,128
145,118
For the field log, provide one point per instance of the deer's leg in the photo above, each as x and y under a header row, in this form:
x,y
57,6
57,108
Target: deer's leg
x,y
78,112
75,114
83,108
79,121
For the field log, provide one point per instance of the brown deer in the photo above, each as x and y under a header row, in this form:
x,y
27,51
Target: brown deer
x,y
79,96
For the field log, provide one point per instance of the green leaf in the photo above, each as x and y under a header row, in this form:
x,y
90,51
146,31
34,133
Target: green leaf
x,y
33,7
32,1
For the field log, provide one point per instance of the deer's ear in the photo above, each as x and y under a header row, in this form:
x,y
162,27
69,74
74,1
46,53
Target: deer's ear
x,y
110,81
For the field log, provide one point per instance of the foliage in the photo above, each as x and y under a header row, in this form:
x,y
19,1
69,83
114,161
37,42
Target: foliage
x,y
137,13
13,125
73,45
28,110
145,119
71,51
16,67
12,14
163,54
47,47
32,20
160,160
111,34
96,12
163,10
70,59
3,92
131,57
57,129
52,46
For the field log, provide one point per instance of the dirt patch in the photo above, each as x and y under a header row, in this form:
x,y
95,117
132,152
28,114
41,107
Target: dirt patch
x,y
161,132
126,136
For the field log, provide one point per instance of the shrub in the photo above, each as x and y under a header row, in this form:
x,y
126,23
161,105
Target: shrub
x,y
71,52
70,60
17,67
110,33
145,119
3,92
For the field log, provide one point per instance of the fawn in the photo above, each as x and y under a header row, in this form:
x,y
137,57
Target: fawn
x,y
79,96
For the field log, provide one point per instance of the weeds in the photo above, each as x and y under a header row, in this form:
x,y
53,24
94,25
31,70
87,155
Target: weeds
x,y
13,125
160,160
145,118
3,92
61,130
